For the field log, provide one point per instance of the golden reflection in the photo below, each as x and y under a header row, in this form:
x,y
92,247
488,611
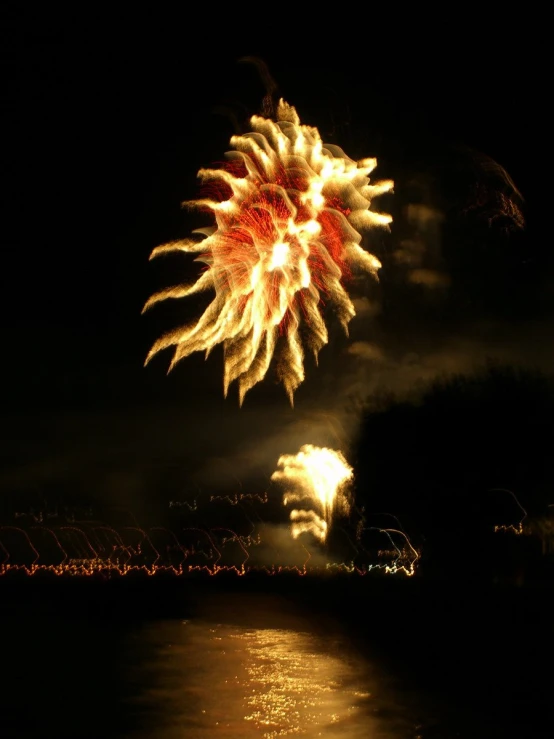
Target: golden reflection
x,y
292,688
238,681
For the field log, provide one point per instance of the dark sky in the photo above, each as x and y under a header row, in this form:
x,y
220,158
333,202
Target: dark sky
x,y
111,115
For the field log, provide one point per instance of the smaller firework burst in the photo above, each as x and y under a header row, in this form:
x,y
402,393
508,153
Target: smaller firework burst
x,y
316,478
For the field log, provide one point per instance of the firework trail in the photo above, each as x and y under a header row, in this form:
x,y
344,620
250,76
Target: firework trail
x,y
289,212
316,476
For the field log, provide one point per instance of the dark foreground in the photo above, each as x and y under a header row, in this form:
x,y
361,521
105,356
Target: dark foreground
x,y
475,661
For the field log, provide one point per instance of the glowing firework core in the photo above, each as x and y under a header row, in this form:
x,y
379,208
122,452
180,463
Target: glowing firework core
x,y
318,476
279,256
288,210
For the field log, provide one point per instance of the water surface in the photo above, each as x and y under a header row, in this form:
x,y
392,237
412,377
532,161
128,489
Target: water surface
x,y
253,667
102,662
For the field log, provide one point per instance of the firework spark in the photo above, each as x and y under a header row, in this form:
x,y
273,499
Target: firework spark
x,y
289,212
316,476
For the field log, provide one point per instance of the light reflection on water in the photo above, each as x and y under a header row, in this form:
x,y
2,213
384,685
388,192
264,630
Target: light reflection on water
x,y
254,677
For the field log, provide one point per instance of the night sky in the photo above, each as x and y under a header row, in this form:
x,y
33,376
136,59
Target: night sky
x,y
111,115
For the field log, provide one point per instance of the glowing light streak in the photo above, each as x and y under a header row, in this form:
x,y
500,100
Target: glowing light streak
x,y
6,558
235,537
288,211
408,554
121,546
120,559
518,529
26,536
236,499
146,538
183,503
212,545
178,545
56,540
105,568
80,532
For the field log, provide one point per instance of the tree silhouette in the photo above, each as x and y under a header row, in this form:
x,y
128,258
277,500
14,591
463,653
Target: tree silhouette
x,y
434,463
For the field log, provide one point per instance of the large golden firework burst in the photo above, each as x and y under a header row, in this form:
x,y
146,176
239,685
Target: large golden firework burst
x,y
289,212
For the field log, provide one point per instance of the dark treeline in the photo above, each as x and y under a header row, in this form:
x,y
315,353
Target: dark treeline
x,y
474,452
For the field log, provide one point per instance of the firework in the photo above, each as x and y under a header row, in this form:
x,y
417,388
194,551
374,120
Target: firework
x,y
289,212
316,476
